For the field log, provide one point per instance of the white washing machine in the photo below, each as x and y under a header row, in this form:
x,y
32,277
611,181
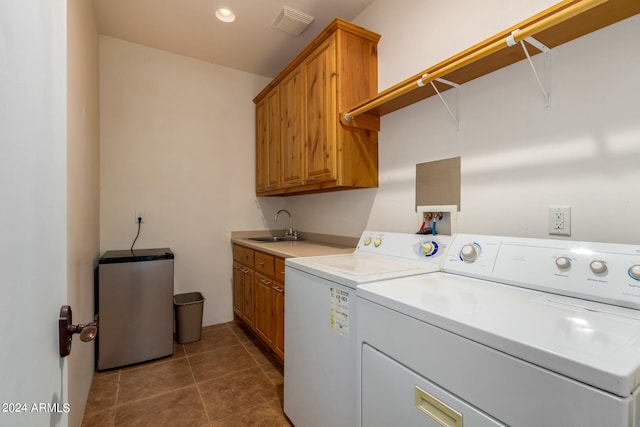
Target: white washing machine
x,y
320,316
517,332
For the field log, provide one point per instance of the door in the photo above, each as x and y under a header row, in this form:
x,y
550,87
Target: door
x,y
262,146
292,112
238,281
320,144
33,190
263,308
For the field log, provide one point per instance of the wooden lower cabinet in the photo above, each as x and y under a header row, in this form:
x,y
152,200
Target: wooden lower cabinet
x,y
264,325
258,295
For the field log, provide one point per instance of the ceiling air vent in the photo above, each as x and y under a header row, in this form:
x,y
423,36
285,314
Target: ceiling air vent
x,y
292,21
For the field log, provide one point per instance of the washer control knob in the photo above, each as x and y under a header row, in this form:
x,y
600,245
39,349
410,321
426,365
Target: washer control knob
x,y
598,266
469,252
634,271
367,241
377,241
428,248
563,262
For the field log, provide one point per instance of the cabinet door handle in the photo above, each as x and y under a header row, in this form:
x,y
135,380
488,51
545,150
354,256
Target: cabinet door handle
x,y
309,179
245,271
261,263
293,182
235,267
266,282
278,288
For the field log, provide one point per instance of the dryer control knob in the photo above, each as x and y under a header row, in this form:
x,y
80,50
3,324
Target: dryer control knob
x,y
563,262
469,252
428,248
377,242
367,241
634,271
598,266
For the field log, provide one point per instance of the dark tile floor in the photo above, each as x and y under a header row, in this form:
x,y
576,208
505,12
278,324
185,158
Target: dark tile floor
x,y
228,378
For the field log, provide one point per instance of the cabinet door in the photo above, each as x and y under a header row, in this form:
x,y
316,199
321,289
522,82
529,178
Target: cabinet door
x,y
263,308
262,146
320,144
248,298
268,143
292,114
273,161
278,320
238,294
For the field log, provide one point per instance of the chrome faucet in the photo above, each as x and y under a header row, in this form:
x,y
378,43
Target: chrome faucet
x,y
290,232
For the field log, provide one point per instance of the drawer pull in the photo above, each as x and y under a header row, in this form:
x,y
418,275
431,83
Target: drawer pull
x,y
293,182
309,179
278,288
436,409
266,282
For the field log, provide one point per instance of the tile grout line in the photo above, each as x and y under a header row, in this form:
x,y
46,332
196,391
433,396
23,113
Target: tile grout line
x,y
193,375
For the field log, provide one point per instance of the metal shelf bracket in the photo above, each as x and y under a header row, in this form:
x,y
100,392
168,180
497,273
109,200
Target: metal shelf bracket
x,y
455,116
543,83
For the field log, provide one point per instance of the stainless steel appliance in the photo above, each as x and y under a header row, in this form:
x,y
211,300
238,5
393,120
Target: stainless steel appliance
x,y
135,306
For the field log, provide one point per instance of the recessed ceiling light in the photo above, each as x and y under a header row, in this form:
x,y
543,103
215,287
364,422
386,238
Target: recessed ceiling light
x,y
225,15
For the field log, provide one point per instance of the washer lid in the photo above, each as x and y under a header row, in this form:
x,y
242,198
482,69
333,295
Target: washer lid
x,y
357,268
594,343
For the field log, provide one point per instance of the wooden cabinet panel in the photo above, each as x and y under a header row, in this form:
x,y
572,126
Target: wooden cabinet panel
x,y
243,255
264,325
264,263
279,270
278,310
238,293
248,298
262,145
273,101
268,142
320,137
292,112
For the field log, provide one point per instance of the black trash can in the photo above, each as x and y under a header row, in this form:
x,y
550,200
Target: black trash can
x,y
188,309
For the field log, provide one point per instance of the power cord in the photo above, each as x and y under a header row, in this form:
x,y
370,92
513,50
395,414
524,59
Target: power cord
x,y
134,240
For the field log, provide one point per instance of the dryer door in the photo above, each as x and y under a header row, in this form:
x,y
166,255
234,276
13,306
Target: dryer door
x,y
395,395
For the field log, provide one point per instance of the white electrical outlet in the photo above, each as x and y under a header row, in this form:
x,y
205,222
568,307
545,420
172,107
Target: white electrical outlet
x,y
139,214
560,220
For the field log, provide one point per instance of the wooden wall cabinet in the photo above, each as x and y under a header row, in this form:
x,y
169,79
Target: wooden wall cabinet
x,y
316,151
258,295
268,142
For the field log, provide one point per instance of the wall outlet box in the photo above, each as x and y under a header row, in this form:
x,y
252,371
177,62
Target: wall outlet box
x,y
560,220
139,214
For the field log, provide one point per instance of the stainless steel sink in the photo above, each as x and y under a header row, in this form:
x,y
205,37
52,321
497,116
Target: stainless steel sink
x,y
267,239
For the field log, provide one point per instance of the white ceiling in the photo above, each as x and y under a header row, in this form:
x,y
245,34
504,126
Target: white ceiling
x,y
189,28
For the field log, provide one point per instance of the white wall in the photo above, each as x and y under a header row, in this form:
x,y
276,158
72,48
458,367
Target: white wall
x,y
517,159
33,212
178,141
83,191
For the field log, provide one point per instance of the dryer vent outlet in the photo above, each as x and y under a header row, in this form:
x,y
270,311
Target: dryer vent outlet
x,y
292,21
